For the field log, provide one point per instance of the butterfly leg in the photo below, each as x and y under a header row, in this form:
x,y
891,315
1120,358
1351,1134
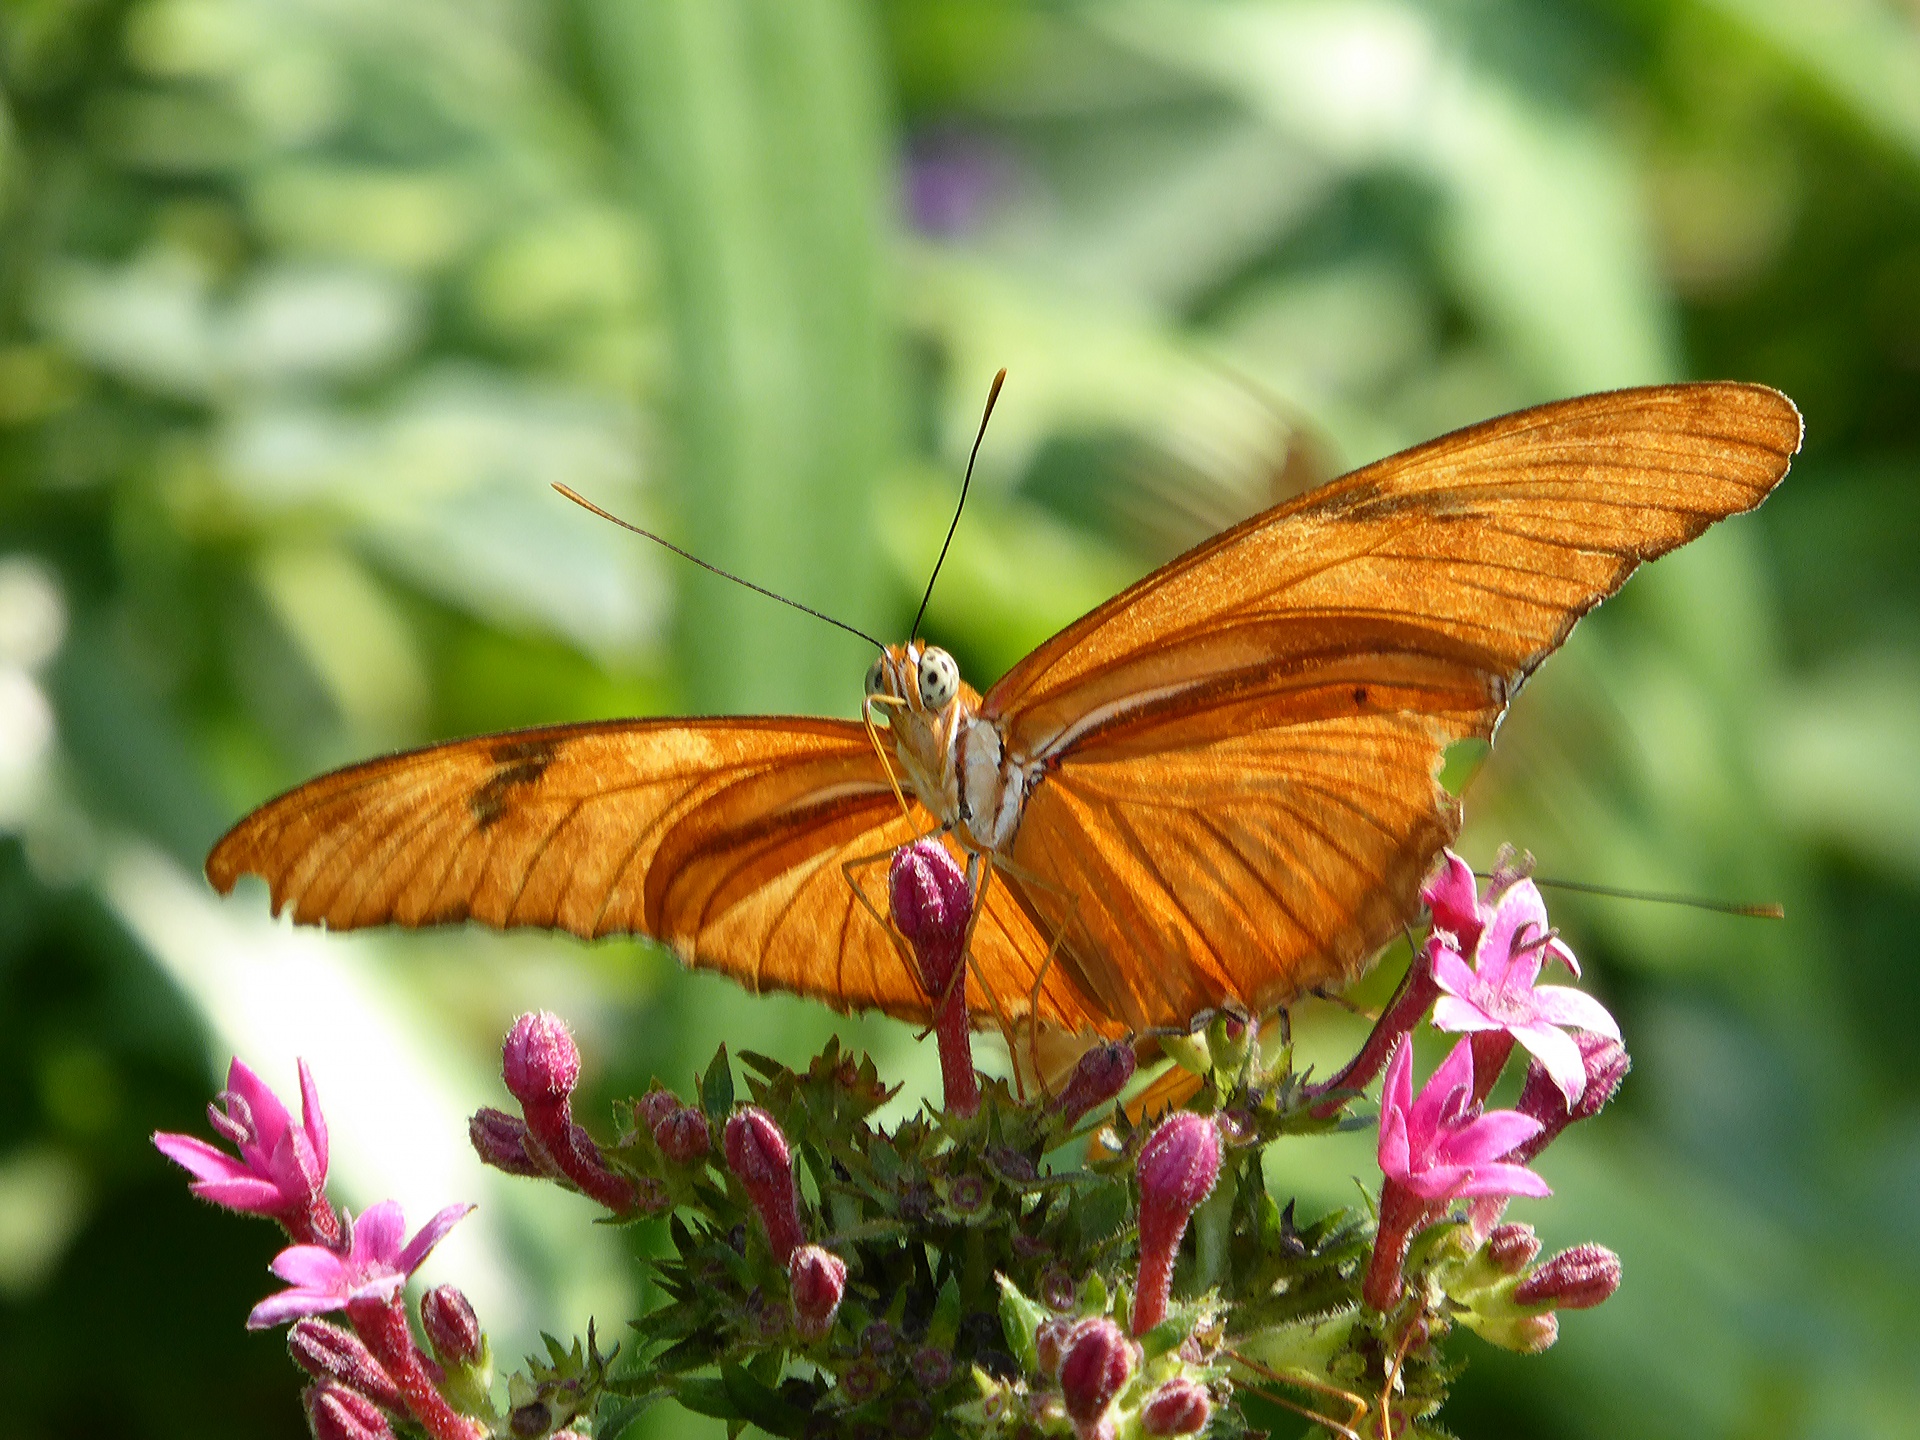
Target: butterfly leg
x,y
979,878
1301,1380
886,764
1027,877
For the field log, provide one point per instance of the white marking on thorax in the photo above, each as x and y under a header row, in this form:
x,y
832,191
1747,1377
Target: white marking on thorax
x,y
992,785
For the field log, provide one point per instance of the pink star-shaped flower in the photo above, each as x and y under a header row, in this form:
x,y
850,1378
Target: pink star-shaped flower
x,y
375,1268
1439,1146
282,1168
1509,941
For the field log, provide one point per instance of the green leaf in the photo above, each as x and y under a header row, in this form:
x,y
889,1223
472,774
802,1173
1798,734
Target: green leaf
x,y
716,1088
756,1403
1021,1319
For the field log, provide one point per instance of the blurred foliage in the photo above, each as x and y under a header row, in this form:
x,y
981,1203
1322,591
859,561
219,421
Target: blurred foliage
x,y
303,304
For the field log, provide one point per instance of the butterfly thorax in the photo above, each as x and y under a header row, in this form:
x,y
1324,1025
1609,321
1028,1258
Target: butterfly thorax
x,y
951,757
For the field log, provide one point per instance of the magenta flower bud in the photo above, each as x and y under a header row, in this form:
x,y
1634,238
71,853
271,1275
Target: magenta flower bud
x,y
1103,1072
656,1105
1179,1407
337,1413
1095,1364
1178,1167
1049,1341
683,1136
933,909
500,1140
818,1278
1511,1248
329,1352
1576,1279
1606,1063
759,1155
452,1328
539,1060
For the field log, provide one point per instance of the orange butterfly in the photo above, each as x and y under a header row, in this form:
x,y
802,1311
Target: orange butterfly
x,y
1217,789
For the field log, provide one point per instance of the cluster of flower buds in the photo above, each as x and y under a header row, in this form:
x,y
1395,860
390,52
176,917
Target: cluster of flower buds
x,y
760,1271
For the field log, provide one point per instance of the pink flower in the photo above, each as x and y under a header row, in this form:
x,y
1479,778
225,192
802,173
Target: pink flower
x,y
282,1169
1435,1149
375,1268
1439,1146
1509,941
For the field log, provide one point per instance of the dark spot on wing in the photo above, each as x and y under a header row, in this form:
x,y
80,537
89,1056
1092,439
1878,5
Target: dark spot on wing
x,y
1359,694
520,762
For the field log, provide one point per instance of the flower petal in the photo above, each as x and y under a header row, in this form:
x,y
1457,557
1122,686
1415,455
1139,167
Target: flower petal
x,y
315,1122
1462,1017
291,1305
1558,1055
249,1196
1456,907
1564,1005
1445,1095
1491,1136
270,1117
1396,1159
311,1266
199,1158
1557,949
382,1285
430,1235
1439,1184
1520,917
377,1235
1502,1180
1451,973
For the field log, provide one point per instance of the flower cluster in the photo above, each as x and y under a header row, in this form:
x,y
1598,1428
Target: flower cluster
x,y
822,1275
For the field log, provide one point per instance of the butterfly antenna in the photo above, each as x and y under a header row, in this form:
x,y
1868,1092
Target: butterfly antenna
x,y
1772,911
993,394
586,504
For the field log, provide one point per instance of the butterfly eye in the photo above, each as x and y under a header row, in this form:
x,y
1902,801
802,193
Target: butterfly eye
x,y
876,676
939,679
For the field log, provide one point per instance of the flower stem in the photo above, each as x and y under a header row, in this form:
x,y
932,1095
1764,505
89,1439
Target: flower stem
x,y
382,1324
1417,991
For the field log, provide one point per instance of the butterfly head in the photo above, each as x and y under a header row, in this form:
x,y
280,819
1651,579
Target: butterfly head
x,y
919,678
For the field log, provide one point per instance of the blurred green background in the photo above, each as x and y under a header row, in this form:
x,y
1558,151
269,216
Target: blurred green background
x,y
303,304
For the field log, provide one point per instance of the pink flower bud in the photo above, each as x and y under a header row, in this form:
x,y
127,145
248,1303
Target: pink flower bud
x,y
333,1353
337,1413
1576,1279
759,1155
500,1140
1095,1364
1048,1342
656,1105
933,908
539,1060
452,1328
1178,1167
1180,1407
1103,1072
682,1135
818,1278
1606,1064
1511,1248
